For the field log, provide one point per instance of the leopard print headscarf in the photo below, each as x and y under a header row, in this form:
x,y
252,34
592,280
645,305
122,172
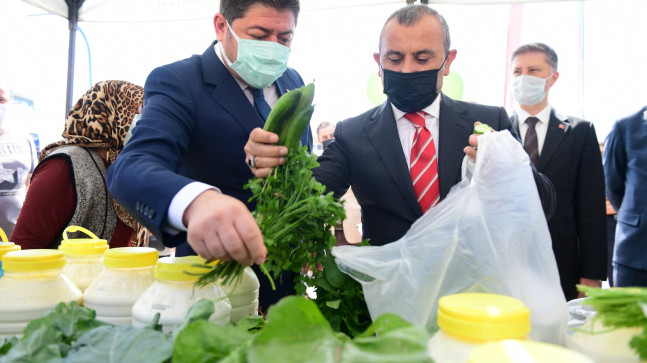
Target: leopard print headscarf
x,y
100,119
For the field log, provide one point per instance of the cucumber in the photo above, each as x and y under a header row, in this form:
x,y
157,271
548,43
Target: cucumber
x,y
284,108
482,128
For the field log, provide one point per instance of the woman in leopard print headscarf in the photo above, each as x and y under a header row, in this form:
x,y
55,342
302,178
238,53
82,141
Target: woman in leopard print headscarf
x,y
68,186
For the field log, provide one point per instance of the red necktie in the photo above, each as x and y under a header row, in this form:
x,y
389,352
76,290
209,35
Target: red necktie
x,y
424,164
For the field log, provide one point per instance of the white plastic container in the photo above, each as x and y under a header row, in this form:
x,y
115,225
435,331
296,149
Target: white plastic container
x,y
6,247
173,293
525,351
244,297
469,320
128,273
84,257
33,283
598,342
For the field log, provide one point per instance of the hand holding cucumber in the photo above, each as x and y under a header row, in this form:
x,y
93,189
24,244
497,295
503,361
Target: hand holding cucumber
x,y
479,129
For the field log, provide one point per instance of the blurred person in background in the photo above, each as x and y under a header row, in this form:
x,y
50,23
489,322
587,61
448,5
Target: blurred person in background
x,y
566,150
324,136
612,218
625,170
68,186
17,163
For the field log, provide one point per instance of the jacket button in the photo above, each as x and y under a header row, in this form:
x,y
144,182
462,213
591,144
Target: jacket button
x,y
151,213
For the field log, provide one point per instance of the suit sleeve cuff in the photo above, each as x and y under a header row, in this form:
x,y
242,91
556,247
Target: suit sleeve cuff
x,y
180,203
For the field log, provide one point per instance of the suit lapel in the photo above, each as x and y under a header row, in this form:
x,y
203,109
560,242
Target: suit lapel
x,y
227,92
554,136
454,131
382,132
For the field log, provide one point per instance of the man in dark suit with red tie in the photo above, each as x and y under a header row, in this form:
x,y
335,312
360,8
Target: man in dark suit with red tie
x,y
566,150
404,156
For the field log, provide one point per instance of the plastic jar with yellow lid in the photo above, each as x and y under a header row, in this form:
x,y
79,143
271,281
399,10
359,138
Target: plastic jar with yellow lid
x,y
84,256
33,283
244,296
6,247
173,293
468,320
524,351
128,273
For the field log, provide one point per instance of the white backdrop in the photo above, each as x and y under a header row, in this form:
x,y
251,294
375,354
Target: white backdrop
x,y
601,45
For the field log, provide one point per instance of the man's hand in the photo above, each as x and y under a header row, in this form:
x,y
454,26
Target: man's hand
x,y
221,227
265,156
588,282
473,140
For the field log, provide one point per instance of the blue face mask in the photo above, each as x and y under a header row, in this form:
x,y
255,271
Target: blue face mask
x,y
259,62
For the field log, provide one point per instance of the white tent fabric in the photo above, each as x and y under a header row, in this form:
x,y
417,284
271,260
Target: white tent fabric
x,y
179,10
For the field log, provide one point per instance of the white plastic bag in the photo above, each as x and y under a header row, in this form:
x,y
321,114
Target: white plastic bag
x,y
488,235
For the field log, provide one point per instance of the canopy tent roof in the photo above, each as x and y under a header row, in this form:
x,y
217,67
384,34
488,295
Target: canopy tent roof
x,y
156,10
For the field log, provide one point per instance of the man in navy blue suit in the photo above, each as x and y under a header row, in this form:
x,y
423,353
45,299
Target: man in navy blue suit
x,y
183,170
625,171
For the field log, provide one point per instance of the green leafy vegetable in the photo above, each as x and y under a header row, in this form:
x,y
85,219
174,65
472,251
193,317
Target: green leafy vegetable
x,y
619,308
51,336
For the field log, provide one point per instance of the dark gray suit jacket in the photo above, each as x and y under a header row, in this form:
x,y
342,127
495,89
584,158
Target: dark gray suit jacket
x,y
625,169
367,155
571,159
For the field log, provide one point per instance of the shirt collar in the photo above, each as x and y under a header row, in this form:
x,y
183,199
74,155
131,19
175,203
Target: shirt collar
x,y
433,109
543,115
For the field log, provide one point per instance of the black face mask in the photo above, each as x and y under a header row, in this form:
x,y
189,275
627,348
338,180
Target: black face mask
x,y
325,143
411,92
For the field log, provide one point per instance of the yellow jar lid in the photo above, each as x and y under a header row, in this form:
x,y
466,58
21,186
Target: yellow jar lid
x,y
483,317
6,247
82,246
33,260
518,351
179,268
130,257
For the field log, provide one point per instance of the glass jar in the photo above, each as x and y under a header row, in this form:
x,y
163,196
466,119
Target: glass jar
x,y
128,273
84,257
173,293
33,283
468,320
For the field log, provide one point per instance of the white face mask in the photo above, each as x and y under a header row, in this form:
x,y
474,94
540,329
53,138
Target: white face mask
x,y
529,90
259,62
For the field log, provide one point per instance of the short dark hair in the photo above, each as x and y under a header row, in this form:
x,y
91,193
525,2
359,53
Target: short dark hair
x,y
411,14
322,125
551,56
234,9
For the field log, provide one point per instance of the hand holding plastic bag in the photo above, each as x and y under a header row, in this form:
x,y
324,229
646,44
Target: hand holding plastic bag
x,y
488,235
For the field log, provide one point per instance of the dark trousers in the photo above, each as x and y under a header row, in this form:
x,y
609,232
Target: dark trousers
x,y
624,276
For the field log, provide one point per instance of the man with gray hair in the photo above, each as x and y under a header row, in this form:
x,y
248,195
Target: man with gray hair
x,y
403,157
566,150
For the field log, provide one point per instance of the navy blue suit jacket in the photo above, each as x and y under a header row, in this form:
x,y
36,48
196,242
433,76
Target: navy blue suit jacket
x,y
367,156
570,158
625,170
194,125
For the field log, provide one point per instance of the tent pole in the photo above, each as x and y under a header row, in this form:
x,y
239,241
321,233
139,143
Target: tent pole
x,y
73,19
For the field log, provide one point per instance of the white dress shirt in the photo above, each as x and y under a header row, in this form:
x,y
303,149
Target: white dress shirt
x,y
186,195
407,131
541,127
